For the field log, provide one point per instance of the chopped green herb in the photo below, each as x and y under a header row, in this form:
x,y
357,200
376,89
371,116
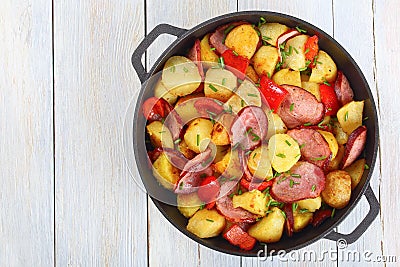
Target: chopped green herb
x,y
319,158
227,30
366,118
222,179
318,62
269,75
172,69
185,69
333,212
295,175
162,120
212,48
231,195
162,132
288,143
300,30
240,81
327,83
209,220
232,178
366,167
320,125
248,152
257,84
255,154
302,145
235,53
181,186
303,69
276,174
202,205
266,191
268,212
303,210
177,141
252,95
313,188
282,179
307,50
240,192
283,214
212,87
298,155
292,183
242,103
229,110
281,155
307,124
205,163
221,62
261,22
255,137
290,50
266,38
294,206
218,102
295,50
282,46
223,81
198,139
211,113
346,116
235,146
258,219
291,106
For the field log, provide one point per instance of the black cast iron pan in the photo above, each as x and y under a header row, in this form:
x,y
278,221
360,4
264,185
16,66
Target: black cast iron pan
x,y
343,61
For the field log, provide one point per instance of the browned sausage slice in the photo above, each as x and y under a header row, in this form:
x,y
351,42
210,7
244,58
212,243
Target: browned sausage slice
x,y
217,39
343,90
305,180
195,55
190,181
313,146
300,107
355,145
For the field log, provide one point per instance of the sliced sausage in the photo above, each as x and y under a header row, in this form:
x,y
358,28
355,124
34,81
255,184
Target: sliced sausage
x,y
190,181
355,145
195,55
200,162
343,90
174,124
249,128
225,206
176,158
305,180
300,107
313,146
208,107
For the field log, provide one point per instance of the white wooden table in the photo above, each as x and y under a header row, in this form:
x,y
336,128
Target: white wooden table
x,y
66,196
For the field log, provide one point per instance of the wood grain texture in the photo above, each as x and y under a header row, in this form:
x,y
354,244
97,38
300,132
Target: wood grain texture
x,y
26,135
387,45
180,251
347,24
324,20
100,213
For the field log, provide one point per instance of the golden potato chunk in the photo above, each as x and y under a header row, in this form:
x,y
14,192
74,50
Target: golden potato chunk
x,y
229,165
340,135
259,164
252,74
206,223
325,69
243,40
287,76
294,48
161,91
246,95
350,116
220,135
159,134
270,32
337,190
254,201
208,56
356,171
185,150
166,174
198,134
331,140
219,84
335,163
188,204
283,151
313,88
275,124
310,204
301,220
270,228
265,60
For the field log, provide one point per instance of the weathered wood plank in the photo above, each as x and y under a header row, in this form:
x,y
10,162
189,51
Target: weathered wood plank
x,y
183,252
318,13
100,213
26,134
387,45
347,24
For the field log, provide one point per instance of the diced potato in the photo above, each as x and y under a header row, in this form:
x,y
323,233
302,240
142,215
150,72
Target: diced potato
x,y
326,120
185,150
283,151
270,228
297,59
186,98
243,39
350,116
325,70
230,165
301,220
340,135
219,84
287,76
180,76
310,204
208,57
220,135
265,60
275,124
220,153
206,223
356,171
331,140
254,201
246,95
166,174
198,134
259,164
270,32
337,190
313,88
335,163
161,91
188,204
159,134
185,107
252,74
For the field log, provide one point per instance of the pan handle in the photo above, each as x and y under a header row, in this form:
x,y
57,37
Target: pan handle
x,y
147,41
363,226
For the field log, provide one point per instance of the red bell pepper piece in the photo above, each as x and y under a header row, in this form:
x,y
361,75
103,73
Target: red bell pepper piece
x,y
238,237
329,99
155,109
320,216
259,186
237,62
311,46
288,209
209,189
273,93
210,205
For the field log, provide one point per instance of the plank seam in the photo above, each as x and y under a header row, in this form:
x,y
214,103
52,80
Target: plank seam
x,y
54,139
